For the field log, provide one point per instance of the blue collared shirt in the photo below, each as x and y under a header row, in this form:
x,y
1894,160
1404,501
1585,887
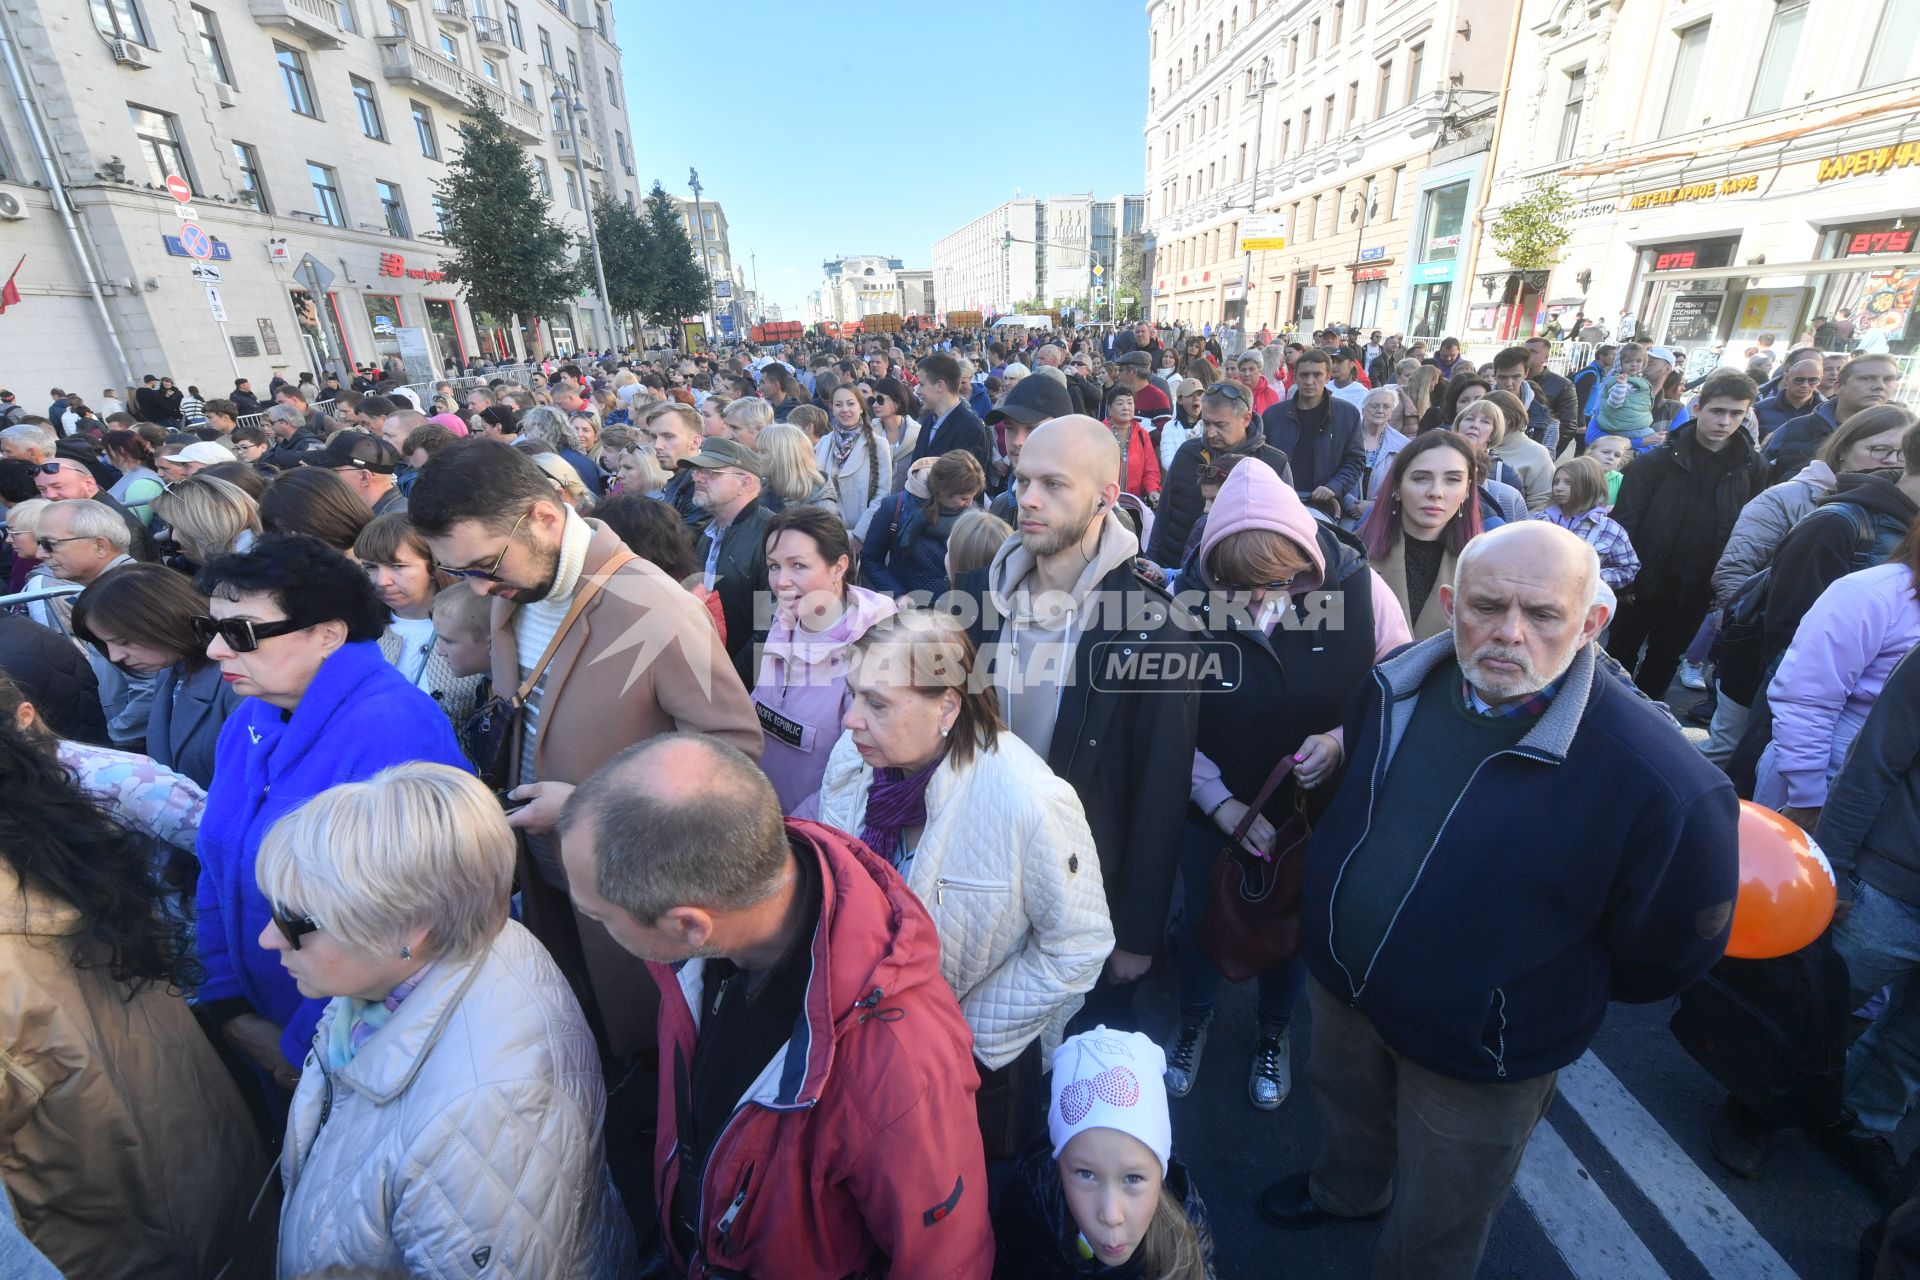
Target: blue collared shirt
x,y
1532,705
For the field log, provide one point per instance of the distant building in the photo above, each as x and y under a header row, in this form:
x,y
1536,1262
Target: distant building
x,y
872,284
1032,249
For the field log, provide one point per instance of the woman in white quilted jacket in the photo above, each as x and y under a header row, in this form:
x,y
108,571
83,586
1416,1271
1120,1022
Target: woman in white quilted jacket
x,y
994,845
448,1117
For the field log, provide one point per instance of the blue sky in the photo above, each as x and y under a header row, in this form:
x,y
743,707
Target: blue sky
x,y
878,126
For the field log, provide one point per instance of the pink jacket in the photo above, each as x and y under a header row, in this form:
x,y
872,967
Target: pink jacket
x,y
1846,647
802,694
1256,498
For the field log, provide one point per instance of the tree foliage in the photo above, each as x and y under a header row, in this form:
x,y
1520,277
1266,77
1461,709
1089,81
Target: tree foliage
x,y
676,281
626,248
511,256
1531,232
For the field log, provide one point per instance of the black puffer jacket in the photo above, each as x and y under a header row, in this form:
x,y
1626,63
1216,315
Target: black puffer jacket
x,y
55,677
1036,1238
1180,499
1678,504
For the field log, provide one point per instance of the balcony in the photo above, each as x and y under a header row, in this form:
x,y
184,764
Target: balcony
x,y
315,21
589,151
451,14
411,65
491,34
521,118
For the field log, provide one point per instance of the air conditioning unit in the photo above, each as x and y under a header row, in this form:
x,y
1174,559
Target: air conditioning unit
x,y
224,92
13,208
129,54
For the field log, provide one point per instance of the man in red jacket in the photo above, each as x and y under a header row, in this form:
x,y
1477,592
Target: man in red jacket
x,y
816,1077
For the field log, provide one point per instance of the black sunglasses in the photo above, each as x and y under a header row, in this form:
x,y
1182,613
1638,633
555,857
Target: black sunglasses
x,y
1229,391
243,635
292,927
49,468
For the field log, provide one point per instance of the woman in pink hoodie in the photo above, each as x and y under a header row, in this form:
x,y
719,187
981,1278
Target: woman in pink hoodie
x,y
1295,597
819,615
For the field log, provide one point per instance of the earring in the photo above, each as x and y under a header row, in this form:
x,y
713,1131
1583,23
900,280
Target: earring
x,y
406,951
946,730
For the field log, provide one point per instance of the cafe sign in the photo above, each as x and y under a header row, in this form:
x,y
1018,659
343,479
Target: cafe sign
x,y
1856,164
1694,191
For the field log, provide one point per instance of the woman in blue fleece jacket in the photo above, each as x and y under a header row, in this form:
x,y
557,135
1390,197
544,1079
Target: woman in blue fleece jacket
x,y
295,628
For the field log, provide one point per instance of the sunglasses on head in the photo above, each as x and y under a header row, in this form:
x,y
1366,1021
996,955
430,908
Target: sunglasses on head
x,y
242,635
292,927
1230,391
50,468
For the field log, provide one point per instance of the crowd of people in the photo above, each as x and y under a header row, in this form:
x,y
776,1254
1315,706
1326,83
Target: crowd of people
x,y
713,814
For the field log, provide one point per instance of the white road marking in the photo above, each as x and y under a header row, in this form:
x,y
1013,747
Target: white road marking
x,y
1592,1238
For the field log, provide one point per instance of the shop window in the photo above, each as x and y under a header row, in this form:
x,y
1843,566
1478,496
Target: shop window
x,y
1446,217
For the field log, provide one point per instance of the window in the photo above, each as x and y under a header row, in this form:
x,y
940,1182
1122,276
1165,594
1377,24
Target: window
x,y
1240,169
449,49
1359,14
1383,91
1570,114
440,215
1339,15
369,108
613,89
514,31
546,48
423,130
159,135
326,194
1893,44
1306,129
397,21
1293,54
1313,226
1286,136
1326,118
573,188
393,209
600,20
253,188
1313,40
1397,184
573,69
491,70
1416,63
1776,60
543,176
1353,103
119,19
620,149
1689,61
526,93
210,50
1446,219
293,74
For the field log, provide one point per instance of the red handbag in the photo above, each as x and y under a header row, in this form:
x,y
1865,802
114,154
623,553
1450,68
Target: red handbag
x,y
1253,909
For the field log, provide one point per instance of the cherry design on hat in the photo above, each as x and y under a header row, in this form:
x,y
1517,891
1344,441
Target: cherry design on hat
x,y
1116,1086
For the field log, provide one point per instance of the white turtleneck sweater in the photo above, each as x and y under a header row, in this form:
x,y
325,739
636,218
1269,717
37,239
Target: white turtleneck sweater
x,y
534,625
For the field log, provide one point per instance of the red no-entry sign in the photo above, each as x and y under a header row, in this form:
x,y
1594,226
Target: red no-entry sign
x,y
177,188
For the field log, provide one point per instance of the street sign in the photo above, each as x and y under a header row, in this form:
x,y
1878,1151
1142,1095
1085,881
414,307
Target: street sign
x,y
196,242
313,274
219,307
188,213
1098,271
1263,231
206,273
177,188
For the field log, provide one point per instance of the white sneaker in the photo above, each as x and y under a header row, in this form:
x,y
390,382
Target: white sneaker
x,y
1693,675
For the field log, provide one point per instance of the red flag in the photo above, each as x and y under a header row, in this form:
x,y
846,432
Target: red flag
x,y
10,293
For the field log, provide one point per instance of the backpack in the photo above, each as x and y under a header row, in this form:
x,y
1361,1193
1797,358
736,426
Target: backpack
x,y
1740,653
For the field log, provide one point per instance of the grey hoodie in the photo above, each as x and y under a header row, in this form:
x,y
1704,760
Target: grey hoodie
x,y
1034,654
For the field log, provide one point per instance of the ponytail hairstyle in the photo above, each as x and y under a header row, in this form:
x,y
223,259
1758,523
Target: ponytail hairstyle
x,y
1171,1248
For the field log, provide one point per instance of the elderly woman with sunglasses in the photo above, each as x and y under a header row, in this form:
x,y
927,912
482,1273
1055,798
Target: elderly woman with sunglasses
x,y
450,1113
295,627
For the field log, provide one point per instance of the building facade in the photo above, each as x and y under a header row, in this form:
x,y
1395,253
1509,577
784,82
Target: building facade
x,y
305,129
1734,167
1357,129
1033,250
733,301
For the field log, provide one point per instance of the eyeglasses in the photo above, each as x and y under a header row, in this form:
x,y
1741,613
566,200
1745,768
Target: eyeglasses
x,y
292,927
242,635
492,573
1878,452
1230,391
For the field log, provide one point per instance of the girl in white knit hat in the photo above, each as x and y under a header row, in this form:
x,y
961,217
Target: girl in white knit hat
x,y
1104,1195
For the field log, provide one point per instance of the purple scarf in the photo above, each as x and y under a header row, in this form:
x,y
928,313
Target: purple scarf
x,y
895,802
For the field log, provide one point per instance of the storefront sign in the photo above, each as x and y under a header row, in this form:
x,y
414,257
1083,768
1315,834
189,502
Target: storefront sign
x,y
1878,242
1443,242
1694,191
394,264
1677,260
1854,164
1371,273
1430,272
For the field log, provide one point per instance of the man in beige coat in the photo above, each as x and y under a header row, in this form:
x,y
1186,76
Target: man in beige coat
x,y
641,658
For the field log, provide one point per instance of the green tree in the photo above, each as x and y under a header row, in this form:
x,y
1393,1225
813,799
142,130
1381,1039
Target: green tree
x,y
676,281
626,251
1531,232
512,257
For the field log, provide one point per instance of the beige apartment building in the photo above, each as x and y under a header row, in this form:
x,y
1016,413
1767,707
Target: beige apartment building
x,y
305,129
1360,127
1735,167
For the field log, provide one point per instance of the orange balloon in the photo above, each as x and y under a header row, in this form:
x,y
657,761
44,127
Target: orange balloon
x,y
1787,890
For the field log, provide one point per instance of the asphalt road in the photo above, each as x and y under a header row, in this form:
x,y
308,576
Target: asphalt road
x,y
1618,1184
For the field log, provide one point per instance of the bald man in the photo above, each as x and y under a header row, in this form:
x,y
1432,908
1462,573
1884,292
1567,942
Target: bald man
x,y
857,1137
1095,676
1518,839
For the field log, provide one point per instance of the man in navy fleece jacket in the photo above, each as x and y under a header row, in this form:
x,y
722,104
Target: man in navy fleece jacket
x,y
1518,839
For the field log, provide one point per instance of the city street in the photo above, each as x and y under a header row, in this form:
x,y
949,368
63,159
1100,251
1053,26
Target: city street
x,y
1618,1184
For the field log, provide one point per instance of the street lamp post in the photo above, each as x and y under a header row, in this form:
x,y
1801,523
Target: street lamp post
x,y
1259,97
571,107
706,260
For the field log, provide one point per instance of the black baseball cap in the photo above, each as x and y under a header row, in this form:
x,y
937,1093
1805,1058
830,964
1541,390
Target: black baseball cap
x,y
1033,400
357,449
